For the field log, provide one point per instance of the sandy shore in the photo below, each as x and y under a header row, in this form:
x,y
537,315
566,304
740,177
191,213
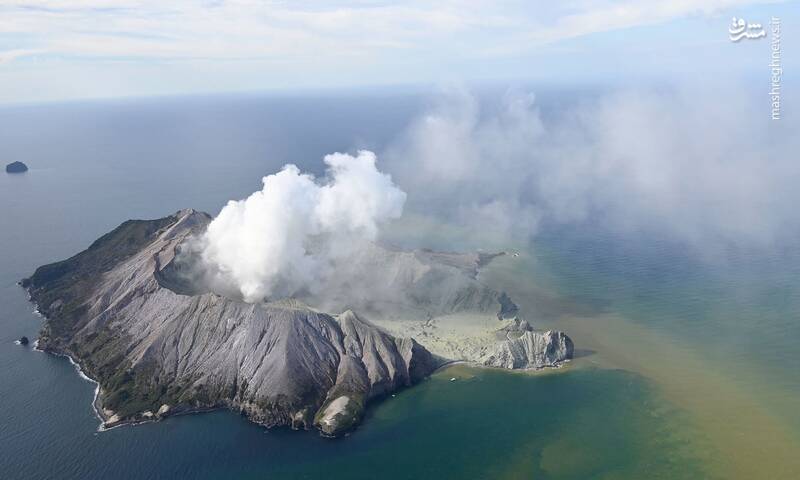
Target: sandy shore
x,y
457,337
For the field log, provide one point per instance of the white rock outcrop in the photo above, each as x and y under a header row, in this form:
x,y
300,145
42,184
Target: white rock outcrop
x,y
531,350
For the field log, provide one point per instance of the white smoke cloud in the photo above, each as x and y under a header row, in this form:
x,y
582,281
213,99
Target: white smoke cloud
x,y
284,239
708,168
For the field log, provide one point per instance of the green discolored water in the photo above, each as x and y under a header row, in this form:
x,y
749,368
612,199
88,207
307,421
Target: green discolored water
x,y
488,424
716,335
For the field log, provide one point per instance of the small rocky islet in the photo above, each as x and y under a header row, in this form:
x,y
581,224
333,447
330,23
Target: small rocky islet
x,y
122,311
16,167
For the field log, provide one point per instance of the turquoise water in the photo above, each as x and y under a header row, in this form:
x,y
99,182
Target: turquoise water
x,y
686,364
741,310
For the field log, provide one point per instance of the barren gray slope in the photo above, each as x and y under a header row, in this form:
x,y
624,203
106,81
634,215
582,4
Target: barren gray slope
x,y
390,283
156,352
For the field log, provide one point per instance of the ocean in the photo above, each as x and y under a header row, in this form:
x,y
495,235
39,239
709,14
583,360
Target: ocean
x,y
687,367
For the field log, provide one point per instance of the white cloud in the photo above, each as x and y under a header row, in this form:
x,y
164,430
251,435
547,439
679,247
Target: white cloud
x,y
53,50
244,29
11,55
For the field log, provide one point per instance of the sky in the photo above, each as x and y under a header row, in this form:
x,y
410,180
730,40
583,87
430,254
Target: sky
x,y
52,50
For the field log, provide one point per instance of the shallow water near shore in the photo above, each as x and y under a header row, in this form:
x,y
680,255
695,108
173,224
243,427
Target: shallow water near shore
x,y
686,368
713,336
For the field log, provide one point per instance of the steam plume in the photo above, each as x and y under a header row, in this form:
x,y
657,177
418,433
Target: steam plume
x,y
285,238
706,168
